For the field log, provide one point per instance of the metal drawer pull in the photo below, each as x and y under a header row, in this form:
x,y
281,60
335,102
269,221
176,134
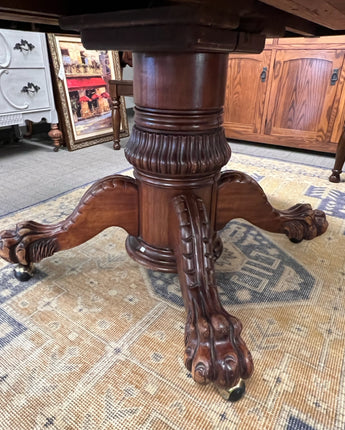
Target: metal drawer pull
x,y
24,45
263,74
334,76
30,88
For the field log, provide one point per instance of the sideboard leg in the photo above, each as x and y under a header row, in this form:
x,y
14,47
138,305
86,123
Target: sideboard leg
x,y
339,159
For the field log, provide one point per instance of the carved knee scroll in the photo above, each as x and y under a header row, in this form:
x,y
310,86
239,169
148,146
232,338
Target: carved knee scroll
x,y
240,196
112,201
214,350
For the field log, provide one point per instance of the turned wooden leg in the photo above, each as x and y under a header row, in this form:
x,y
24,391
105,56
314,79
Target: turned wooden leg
x,y
116,119
115,114
112,201
117,89
339,159
56,135
240,196
214,350
28,133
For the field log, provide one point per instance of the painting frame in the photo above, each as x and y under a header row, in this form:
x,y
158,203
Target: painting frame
x,y
80,80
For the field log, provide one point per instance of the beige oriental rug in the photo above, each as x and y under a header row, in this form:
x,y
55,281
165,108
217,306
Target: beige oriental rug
x,y
95,341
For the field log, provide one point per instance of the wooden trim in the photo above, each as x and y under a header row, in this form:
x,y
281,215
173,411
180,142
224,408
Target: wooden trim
x,y
328,13
287,141
324,42
339,120
269,88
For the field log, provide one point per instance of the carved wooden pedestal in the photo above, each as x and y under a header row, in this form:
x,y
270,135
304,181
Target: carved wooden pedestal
x,y
176,204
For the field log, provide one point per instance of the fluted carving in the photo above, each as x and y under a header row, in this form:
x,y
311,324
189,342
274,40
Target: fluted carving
x,y
177,154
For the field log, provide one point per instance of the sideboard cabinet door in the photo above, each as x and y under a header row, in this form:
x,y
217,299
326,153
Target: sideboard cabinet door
x,y
304,85
247,80
292,94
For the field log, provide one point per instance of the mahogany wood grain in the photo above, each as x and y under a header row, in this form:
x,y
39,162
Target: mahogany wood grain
x,y
177,143
112,201
298,222
214,350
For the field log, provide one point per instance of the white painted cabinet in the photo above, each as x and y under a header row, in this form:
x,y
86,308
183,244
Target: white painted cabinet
x,y
25,81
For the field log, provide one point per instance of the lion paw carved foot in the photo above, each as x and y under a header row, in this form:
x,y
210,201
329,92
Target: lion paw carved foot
x,y
215,352
28,243
303,222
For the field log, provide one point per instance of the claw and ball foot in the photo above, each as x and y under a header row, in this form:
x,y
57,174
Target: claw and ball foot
x,y
214,350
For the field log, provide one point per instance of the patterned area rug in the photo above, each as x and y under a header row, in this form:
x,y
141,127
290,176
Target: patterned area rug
x,y
95,341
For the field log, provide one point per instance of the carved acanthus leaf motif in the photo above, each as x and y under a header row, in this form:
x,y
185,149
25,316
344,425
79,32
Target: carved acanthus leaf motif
x,y
214,350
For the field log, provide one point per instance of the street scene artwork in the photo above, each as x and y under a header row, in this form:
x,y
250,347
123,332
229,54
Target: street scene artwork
x,y
83,82
87,75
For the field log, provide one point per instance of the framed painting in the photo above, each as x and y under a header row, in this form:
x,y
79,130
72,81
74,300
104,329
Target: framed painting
x,y
81,79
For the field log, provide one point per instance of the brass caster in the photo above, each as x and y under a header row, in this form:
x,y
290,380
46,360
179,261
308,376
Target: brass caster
x,y
235,393
24,273
295,240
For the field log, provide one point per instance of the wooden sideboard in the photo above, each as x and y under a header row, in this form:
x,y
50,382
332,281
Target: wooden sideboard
x,y
291,94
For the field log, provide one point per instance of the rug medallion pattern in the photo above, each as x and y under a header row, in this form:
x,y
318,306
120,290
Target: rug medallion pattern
x,y
95,341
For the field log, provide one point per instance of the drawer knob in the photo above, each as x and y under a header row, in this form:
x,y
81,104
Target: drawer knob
x,y
30,88
24,46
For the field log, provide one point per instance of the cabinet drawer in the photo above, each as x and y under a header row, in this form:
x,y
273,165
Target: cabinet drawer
x,y
20,49
12,96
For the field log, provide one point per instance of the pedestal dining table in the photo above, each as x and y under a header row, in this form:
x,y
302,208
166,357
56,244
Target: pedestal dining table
x,y
179,198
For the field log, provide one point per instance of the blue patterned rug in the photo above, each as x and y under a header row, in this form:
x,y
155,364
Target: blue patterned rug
x,y
95,341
